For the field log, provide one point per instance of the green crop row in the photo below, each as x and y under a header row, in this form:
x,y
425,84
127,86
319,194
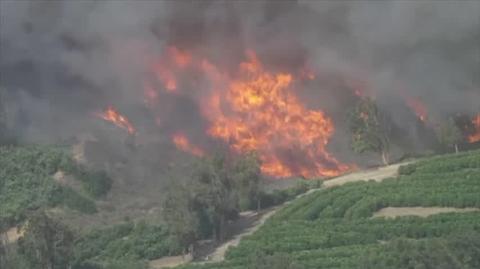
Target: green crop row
x,y
335,228
128,242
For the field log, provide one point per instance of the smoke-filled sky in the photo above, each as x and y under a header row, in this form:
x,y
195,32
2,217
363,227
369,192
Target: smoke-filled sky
x,y
62,61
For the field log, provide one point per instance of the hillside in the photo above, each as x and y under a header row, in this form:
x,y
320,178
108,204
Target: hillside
x,y
429,210
335,227
33,177
45,178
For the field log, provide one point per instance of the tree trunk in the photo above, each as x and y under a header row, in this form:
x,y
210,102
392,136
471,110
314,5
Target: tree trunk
x,y
456,148
385,158
221,230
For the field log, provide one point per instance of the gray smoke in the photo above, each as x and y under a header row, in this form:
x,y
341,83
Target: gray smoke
x,y
63,60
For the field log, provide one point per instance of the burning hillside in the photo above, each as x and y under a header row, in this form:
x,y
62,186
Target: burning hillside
x,y
111,115
261,113
275,77
252,110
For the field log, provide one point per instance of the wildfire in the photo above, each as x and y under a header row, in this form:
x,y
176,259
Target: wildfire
x,y
182,143
418,107
265,116
167,77
166,68
111,115
254,110
476,136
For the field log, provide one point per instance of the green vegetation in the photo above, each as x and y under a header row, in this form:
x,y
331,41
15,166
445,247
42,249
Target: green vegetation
x,y
334,228
219,188
371,129
127,243
331,228
449,135
458,251
27,183
46,243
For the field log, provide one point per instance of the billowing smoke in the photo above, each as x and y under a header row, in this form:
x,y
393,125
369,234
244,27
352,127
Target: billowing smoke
x,y
64,61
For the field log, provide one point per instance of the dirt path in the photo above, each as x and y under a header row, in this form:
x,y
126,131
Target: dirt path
x,y
167,262
12,235
377,174
219,253
393,212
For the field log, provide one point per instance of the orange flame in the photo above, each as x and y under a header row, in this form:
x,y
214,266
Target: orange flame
x,y
256,111
182,143
166,68
264,116
476,136
111,115
166,76
181,59
418,107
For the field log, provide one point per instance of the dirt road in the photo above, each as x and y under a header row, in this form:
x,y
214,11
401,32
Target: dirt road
x,y
377,174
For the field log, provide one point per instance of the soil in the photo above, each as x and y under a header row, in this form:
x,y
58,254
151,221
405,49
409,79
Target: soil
x,y
393,212
12,235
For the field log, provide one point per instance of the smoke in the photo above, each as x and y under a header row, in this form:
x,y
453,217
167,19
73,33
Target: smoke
x,y
61,61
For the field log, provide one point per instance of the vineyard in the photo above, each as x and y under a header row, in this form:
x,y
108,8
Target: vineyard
x,y
27,182
334,228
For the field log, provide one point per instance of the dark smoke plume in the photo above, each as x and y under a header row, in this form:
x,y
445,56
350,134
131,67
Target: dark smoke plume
x,y
61,61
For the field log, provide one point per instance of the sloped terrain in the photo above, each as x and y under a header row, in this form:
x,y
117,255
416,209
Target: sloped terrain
x,y
334,228
33,177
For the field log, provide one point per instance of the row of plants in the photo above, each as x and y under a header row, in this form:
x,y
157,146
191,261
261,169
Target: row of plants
x,y
335,228
128,242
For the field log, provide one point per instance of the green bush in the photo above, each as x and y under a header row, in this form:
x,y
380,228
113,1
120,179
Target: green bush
x,y
406,169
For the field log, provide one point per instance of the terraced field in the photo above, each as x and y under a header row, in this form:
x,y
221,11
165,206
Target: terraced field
x,y
335,228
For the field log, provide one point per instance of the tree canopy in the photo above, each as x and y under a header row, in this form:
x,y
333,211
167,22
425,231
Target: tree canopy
x,y
370,128
219,187
449,135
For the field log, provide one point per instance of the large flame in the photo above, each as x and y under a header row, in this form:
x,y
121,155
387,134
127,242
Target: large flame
x,y
260,113
166,68
182,143
475,137
254,110
111,114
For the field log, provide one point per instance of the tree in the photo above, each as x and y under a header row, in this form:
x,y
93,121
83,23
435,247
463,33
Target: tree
x,y
202,205
215,189
449,135
370,128
46,243
181,216
3,117
247,178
